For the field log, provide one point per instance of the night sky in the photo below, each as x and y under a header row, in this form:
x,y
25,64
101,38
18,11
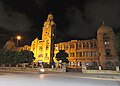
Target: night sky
x,y
75,19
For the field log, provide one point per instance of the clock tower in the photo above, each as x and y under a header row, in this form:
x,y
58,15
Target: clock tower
x,y
106,45
48,39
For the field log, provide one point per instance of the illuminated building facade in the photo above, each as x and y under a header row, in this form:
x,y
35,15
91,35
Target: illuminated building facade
x,y
43,49
100,51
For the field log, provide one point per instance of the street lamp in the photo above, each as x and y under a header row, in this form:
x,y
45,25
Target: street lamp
x,y
18,38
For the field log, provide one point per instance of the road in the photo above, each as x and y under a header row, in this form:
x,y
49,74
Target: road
x,y
56,79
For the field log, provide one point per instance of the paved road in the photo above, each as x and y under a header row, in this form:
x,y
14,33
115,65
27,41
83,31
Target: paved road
x,y
62,79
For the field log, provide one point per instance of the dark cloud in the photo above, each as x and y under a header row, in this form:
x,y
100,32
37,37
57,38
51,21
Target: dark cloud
x,y
103,10
74,18
39,3
85,19
13,21
78,24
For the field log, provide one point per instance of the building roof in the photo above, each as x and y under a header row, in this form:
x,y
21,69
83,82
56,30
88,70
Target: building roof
x,y
10,45
104,29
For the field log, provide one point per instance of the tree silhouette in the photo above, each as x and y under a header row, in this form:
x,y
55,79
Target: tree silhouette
x,y
62,55
13,57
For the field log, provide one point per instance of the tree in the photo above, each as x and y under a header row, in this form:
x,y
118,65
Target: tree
x,y
7,57
13,57
62,55
25,56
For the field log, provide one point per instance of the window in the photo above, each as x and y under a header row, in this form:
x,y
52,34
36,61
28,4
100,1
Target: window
x,y
72,54
56,47
87,45
47,47
107,43
95,45
83,45
108,52
60,47
33,47
78,46
93,53
40,48
79,64
86,54
83,54
91,44
72,63
106,39
46,55
66,46
78,54
71,46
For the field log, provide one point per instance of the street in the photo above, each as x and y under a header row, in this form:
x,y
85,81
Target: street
x,y
52,79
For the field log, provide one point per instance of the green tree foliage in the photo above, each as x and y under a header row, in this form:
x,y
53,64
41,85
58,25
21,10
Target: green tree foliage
x,y
62,55
7,57
26,56
14,57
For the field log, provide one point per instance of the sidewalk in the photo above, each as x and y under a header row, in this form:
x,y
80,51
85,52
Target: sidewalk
x,y
115,77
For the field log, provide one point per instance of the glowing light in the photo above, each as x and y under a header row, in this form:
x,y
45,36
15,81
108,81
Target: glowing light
x,y
42,70
18,37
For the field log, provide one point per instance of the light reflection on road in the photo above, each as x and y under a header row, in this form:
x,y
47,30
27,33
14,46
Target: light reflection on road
x,y
51,80
42,76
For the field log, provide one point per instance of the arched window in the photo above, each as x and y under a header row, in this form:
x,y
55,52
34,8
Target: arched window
x,y
72,46
78,46
83,45
95,45
108,52
66,46
106,39
87,45
91,44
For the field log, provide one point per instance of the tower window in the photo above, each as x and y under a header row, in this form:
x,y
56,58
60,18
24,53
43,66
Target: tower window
x,y
106,40
93,53
46,55
47,47
40,48
108,52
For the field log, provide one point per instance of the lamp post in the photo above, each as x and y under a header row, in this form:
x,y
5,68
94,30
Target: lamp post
x,y
18,38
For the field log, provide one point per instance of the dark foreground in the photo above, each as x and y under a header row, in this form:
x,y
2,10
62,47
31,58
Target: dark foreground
x,y
53,79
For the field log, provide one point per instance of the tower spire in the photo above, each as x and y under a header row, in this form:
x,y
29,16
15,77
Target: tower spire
x,y
50,12
103,22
